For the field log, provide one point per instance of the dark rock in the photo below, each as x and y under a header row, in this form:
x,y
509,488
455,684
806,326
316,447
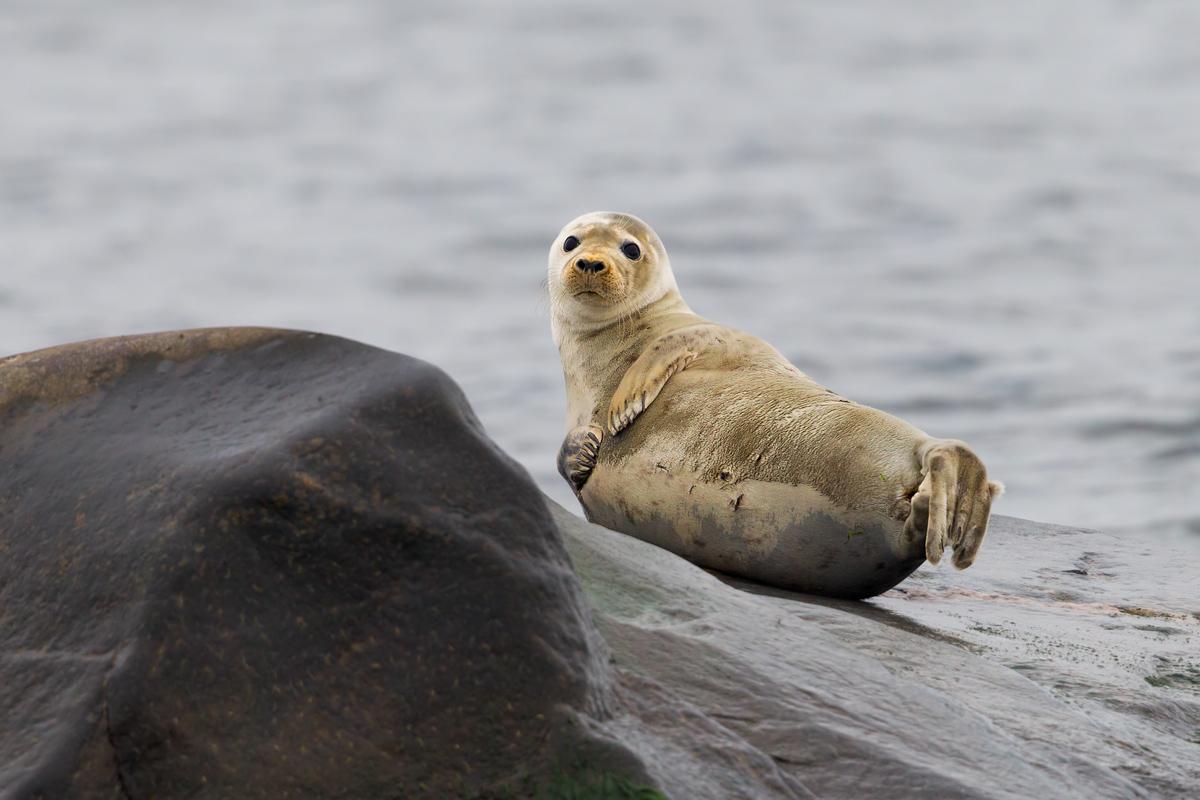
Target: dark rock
x,y
256,563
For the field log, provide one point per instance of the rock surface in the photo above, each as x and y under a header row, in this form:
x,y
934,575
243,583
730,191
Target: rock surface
x,y
255,563
1039,672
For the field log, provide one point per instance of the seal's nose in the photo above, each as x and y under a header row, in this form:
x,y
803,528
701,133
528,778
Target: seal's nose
x,y
586,265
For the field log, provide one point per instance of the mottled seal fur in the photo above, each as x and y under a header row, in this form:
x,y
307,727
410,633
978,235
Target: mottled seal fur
x,y
706,441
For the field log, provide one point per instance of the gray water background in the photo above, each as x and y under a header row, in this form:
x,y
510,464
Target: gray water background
x,y
983,217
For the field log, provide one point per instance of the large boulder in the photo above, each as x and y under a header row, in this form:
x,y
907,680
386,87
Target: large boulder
x,y
256,563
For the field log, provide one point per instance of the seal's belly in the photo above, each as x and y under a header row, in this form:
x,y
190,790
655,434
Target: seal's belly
x,y
780,534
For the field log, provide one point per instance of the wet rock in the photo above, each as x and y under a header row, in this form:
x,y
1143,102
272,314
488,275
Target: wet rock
x,y
1108,624
257,563
1009,680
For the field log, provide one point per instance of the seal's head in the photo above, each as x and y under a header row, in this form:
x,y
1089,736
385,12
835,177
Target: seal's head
x,y
605,266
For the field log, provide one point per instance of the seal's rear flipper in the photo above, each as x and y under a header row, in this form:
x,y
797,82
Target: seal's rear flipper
x,y
953,502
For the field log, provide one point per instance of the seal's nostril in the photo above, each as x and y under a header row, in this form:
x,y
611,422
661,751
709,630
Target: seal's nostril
x,y
588,265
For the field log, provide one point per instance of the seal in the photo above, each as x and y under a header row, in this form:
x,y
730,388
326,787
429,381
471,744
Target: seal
x,y
706,441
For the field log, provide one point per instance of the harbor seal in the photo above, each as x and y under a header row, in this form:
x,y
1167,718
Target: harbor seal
x,y
706,441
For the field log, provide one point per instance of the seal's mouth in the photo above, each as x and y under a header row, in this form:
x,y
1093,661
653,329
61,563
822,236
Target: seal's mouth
x,y
592,289
591,298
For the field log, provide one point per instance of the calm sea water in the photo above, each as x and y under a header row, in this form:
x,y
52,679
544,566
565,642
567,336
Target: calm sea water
x,y
982,217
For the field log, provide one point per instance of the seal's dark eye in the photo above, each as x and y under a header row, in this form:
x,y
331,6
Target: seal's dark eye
x,y
570,243
631,251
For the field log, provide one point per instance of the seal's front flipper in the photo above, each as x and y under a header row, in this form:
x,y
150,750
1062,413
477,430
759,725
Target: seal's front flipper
x,y
577,456
647,376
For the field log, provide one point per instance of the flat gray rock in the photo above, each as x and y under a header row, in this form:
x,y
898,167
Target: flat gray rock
x,y
1018,678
